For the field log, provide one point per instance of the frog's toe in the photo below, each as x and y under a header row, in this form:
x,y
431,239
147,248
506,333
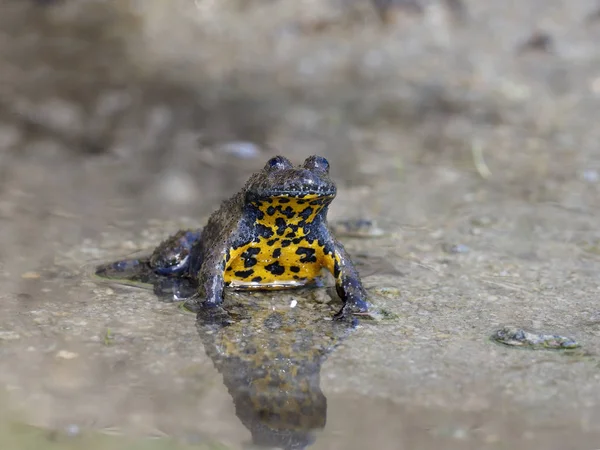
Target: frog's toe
x,y
213,315
351,307
174,270
193,304
121,269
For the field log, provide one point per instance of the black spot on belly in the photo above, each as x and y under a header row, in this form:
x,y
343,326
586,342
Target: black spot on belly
x,y
271,210
271,242
288,212
291,234
257,279
251,252
248,257
300,202
284,200
308,254
281,225
306,212
249,262
285,242
295,269
336,270
263,231
277,253
275,268
243,273
229,268
297,240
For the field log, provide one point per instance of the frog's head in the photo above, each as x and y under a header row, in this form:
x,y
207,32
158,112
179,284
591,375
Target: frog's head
x,y
280,188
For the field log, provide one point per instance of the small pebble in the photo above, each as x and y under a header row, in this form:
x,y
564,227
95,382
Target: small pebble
x,y
9,336
30,275
72,430
364,228
518,337
65,354
591,175
388,292
456,248
177,187
539,41
241,149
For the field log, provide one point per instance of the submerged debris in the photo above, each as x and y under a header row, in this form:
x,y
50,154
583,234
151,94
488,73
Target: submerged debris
x,y
455,248
518,337
539,41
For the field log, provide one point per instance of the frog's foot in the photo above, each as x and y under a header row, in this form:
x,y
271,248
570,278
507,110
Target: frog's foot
x,y
213,315
351,308
172,256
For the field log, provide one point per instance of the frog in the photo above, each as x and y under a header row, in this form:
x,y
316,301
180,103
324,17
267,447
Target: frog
x,y
271,235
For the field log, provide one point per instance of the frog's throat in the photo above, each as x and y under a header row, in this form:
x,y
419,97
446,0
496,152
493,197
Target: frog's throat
x,y
288,248
284,210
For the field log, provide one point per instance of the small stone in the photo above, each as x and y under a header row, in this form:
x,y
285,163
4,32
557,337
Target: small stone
x,y
65,354
538,42
591,175
241,149
9,336
177,187
518,337
456,248
363,228
72,430
388,292
30,275
129,245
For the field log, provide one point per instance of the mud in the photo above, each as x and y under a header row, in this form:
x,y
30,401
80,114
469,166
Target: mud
x,y
121,122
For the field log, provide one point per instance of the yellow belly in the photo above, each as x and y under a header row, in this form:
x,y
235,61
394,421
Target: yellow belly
x,y
262,266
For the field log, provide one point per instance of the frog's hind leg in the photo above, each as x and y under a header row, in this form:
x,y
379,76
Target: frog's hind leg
x,y
135,270
173,257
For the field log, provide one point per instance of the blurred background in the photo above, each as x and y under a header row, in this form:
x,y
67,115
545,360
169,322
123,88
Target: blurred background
x,y
456,124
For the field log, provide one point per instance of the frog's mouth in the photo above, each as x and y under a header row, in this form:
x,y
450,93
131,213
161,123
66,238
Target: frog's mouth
x,y
292,194
291,183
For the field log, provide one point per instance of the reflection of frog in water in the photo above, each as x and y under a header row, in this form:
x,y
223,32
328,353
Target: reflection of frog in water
x,y
270,359
273,234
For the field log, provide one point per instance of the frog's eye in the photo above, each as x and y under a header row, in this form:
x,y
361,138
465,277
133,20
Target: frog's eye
x,y
317,163
278,163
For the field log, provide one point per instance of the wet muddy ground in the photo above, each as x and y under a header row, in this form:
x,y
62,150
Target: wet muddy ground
x,y
469,133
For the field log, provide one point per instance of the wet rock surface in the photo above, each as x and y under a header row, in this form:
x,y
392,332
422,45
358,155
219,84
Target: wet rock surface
x,y
122,122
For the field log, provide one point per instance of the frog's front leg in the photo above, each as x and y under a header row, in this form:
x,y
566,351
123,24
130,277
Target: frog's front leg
x,y
211,283
347,280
